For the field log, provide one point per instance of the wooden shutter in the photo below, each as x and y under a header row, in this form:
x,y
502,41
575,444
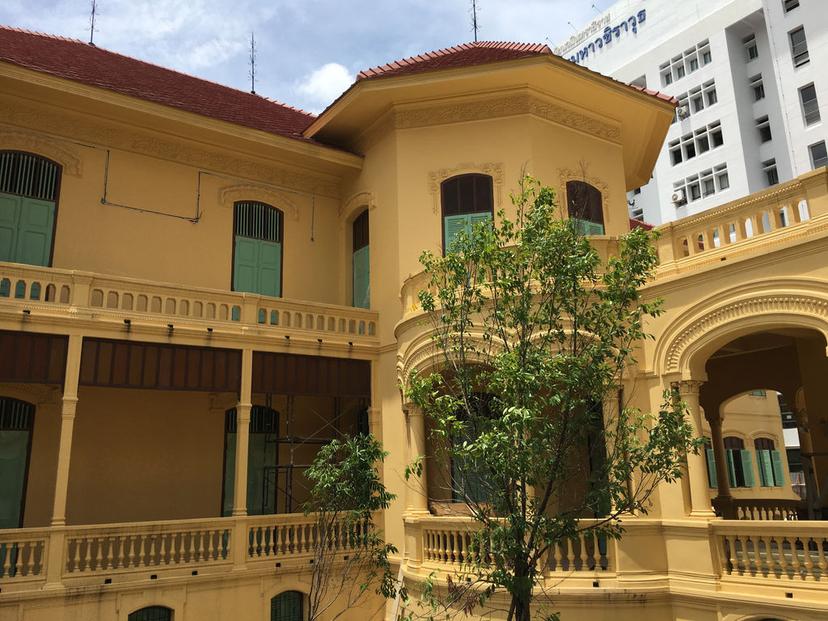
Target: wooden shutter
x,y
765,468
778,471
747,467
34,232
270,268
9,215
286,606
362,277
731,468
585,227
452,227
257,259
246,265
712,477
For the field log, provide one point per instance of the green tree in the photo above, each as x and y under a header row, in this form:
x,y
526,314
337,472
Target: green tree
x,y
346,494
535,333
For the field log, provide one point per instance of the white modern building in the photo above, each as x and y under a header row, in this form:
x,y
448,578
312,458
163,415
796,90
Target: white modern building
x,y
751,77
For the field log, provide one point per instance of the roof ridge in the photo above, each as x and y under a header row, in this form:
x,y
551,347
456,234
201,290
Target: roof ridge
x,y
157,66
540,48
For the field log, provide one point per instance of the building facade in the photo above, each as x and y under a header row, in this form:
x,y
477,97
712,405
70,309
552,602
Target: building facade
x,y
752,97
199,287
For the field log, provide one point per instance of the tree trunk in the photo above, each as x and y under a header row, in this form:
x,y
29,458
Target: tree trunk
x,y
521,608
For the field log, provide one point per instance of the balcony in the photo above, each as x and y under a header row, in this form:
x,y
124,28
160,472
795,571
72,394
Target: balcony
x,y
71,295
119,554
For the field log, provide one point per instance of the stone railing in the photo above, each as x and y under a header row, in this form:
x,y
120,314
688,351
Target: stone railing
x,y
76,556
54,290
776,215
766,509
774,550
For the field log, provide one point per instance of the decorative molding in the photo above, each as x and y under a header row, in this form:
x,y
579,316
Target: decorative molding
x,y
103,133
493,169
511,105
780,304
66,156
229,195
360,199
569,174
36,394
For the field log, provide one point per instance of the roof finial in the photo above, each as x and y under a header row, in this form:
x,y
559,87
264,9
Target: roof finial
x,y
253,63
475,25
92,23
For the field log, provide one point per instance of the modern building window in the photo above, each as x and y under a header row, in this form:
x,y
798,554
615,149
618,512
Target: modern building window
x,y
711,96
695,187
763,125
361,262
287,606
467,200
29,189
789,5
751,51
696,100
799,47
819,155
695,143
16,423
151,613
257,251
771,174
739,463
769,460
758,87
685,63
723,180
585,207
810,104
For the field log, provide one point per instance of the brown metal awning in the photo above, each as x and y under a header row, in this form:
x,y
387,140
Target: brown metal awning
x,y
32,358
293,374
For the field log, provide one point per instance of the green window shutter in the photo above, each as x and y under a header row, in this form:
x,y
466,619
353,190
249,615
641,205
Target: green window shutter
x,y
778,472
9,216
246,265
270,269
286,606
34,232
731,468
765,468
452,227
362,278
477,218
585,227
747,467
712,481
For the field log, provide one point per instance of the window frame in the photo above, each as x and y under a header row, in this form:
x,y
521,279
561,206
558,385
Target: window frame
x,y
281,242
764,128
789,5
592,192
357,222
804,56
811,147
771,172
443,188
814,102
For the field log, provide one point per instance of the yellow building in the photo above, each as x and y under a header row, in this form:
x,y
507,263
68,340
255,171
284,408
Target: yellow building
x,y
198,286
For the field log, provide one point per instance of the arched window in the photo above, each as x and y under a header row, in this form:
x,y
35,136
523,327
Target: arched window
x,y
468,480
739,463
29,186
466,200
585,207
257,250
152,613
361,262
262,461
769,460
16,422
287,606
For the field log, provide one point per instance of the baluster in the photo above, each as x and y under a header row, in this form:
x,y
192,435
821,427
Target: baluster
x,y
301,540
9,547
181,552
18,558
797,565
166,545
806,551
822,563
99,543
107,562
192,547
211,548
87,559
557,556
731,554
764,563
200,553
455,552
29,558
428,545
131,542
582,556
783,560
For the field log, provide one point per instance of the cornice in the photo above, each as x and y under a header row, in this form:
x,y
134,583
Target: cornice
x,y
69,127
64,154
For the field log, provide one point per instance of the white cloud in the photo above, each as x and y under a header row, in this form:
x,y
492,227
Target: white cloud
x,y
321,86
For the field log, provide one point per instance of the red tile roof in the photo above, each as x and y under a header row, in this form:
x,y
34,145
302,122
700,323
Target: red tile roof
x,y
463,55
640,224
78,61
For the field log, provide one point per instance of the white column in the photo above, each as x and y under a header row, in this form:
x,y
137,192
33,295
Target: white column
x,y
68,409
417,489
243,409
696,463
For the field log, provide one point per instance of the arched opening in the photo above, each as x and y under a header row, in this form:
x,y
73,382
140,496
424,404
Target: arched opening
x,y
288,606
466,200
257,249
16,424
765,451
152,613
29,190
361,262
585,207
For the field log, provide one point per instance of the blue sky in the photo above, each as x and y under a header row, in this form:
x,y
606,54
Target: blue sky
x,y
308,50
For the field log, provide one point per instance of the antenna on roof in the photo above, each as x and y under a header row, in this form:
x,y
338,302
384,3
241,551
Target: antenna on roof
x,y
253,63
597,10
92,23
475,25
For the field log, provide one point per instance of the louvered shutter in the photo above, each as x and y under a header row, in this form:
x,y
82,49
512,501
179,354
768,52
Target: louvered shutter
x,y
747,467
246,265
452,227
34,232
712,479
765,468
477,218
362,277
286,607
585,227
778,472
9,215
270,269
731,468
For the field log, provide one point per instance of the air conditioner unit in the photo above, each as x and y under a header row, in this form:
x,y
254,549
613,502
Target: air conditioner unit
x,y
683,112
678,197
